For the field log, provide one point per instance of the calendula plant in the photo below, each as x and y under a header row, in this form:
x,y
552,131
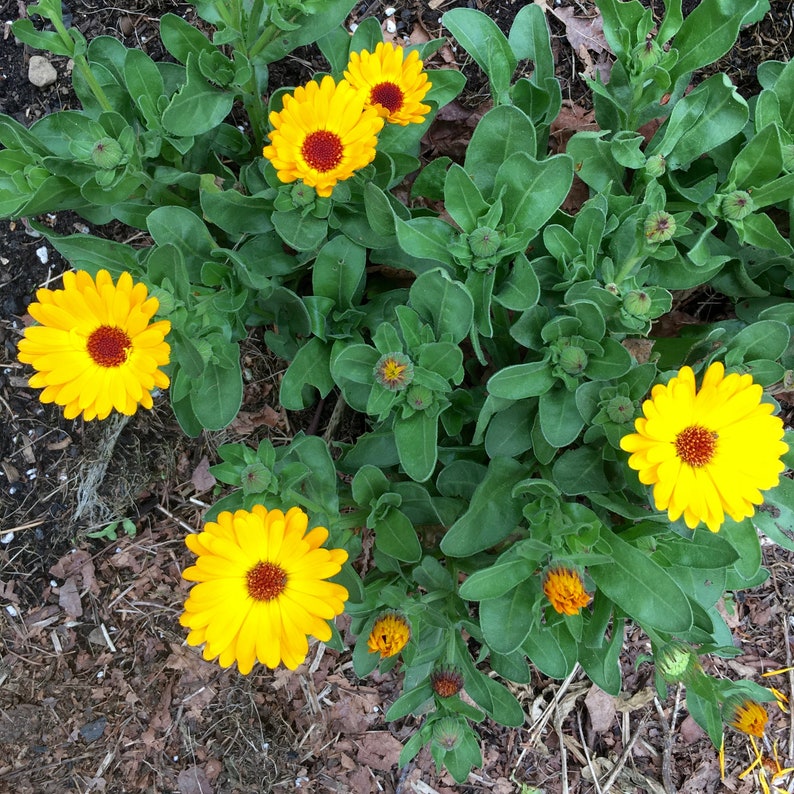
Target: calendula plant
x,y
540,465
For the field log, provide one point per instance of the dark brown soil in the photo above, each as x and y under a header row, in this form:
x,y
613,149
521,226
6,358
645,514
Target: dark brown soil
x,y
98,692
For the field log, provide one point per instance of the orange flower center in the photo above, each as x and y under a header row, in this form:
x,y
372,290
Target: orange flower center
x,y
446,683
266,581
322,150
387,94
696,445
109,346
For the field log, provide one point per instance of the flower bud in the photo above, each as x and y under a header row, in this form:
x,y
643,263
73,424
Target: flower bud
x,y
659,227
620,409
447,733
255,477
649,53
737,205
677,662
655,166
419,397
394,371
107,153
446,681
484,242
637,302
302,195
573,360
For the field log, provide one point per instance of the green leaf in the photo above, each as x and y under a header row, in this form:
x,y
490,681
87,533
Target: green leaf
x,y
552,650
495,581
426,238
776,517
395,535
447,303
521,289
640,587
501,132
712,114
480,36
310,368
743,537
216,396
493,513
759,162
417,439
529,38
462,199
182,39
197,107
236,213
763,339
521,380
707,34
142,77
410,702
760,230
338,272
704,549
507,620
303,233
602,664
579,471
560,420
41,39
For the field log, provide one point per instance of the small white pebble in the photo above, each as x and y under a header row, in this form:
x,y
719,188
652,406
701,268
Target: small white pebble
x,y
391,26
176,758
353,27
390,11
100,674
43,254
8,537
53,583
11,610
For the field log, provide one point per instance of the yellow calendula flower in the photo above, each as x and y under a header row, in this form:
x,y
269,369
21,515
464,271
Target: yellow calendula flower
x,y
261,588
322,135
707,452
389,635
394,84
95,348
394,371
749,717
565,590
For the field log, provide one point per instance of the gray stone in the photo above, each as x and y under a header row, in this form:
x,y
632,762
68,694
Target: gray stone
x,y
41,72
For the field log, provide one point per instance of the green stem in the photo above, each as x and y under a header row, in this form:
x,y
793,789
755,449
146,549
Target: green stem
x,y
628,266
358,518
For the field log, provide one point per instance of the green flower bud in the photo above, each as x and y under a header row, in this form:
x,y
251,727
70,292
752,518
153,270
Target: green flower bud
x,y
302,195
107,153
649,53
448,733
655,166
419,397
573,360
637,302
659,227
612,288
255,478
620,409
737,205
484,242
677,662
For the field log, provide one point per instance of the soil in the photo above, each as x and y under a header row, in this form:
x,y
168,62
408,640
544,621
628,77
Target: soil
x,y
98,691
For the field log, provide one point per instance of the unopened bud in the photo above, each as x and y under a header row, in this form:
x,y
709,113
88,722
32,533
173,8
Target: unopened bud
x,y
677,662
620,409
107,153
655,166
637,302
484,242
448,733
419,397
302,195
573,360
255,478
737,205
649,53
659,227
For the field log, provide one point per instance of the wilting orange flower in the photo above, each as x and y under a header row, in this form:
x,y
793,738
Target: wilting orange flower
x,y
707,452
446,681
95,348
394,84
261,588
323,135
565,589
389,635
749,717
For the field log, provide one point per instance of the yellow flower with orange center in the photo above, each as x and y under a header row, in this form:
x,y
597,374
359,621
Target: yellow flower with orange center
x,y
389,635
565,590
95,349
393,83
322,135
261,588
394,371
710,451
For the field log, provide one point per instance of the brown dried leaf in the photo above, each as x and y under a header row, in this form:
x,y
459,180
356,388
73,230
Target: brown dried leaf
x,y
193,781
601,708
201,478
587,31
69,598
77,563
247,421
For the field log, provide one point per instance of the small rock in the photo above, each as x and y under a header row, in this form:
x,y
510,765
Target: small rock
x,y
41,72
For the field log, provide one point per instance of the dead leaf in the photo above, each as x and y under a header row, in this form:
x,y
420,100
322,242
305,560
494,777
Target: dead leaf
x,y
77,563
69,598
587,31
193,781
201,478
601,708
636,701
247,421
690,731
